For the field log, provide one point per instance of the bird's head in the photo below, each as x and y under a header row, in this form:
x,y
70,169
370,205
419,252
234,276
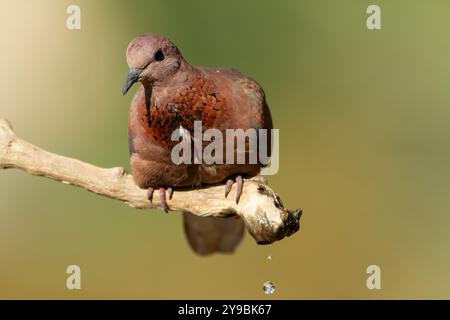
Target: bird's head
x,y
152,58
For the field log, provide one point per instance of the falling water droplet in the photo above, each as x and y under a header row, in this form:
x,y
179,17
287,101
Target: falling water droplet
x,y
268,287
269,257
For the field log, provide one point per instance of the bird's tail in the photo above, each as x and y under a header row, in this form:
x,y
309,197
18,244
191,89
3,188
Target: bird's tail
x,y
207,235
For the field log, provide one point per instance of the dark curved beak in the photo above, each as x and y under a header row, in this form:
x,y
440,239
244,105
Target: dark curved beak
x,y
133,76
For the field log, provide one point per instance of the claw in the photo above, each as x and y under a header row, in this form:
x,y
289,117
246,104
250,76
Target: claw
x,y
228,187
150,194
162,199
170,191
240,187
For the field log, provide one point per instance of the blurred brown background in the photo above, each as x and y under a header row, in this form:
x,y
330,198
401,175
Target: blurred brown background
x,y
364,127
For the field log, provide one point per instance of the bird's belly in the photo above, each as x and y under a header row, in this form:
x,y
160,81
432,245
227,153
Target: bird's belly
x,y
212,174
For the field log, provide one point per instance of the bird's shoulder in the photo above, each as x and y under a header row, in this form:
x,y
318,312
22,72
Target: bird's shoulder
x,y
233,78
245,96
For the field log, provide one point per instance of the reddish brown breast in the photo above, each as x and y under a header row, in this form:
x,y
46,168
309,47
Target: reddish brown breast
x,y
200,101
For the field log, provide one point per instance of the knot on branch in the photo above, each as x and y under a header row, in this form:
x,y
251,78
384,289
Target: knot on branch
x,y
271,221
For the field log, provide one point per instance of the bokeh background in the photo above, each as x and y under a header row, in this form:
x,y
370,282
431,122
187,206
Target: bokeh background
x,y
365,136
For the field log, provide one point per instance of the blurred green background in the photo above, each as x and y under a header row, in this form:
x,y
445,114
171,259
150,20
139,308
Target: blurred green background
x,y
364,127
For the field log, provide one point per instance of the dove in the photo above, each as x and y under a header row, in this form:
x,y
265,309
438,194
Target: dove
x,y
172,96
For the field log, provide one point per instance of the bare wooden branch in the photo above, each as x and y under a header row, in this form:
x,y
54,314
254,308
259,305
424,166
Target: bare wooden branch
x,y
266,218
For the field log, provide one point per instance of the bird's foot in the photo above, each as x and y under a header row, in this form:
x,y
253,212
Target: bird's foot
x,y
162,196
239,184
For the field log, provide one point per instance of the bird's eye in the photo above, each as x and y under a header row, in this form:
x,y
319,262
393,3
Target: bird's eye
x,y
159,55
